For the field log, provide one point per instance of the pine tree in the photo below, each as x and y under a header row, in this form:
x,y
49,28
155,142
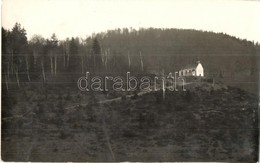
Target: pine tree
x,y
96,54
19,44
73,52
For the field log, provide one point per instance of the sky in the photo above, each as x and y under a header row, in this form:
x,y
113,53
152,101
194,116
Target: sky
x,y
81,18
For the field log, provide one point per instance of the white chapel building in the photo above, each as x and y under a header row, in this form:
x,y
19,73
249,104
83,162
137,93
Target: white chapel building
x,y
195,69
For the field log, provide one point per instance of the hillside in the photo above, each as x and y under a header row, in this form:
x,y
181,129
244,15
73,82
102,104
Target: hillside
x,y
45,117
201,124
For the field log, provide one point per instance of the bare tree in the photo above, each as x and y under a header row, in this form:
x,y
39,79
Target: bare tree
x,y
55,64
129,60
27,68
141,59
43,72
51,64
17,77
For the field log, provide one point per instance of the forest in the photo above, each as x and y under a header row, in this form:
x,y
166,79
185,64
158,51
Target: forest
x,y
148,51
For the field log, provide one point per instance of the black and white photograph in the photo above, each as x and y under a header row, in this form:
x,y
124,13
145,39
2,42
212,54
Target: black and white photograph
x,y
130,80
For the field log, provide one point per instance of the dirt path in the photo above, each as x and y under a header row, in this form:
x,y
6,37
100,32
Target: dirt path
x,y
118,98
105,130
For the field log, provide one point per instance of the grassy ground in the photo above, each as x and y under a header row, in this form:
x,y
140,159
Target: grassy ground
x,y
63,124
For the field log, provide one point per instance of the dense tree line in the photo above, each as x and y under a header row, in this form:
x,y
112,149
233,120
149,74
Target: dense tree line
x,y
173,48
46,60
145,50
